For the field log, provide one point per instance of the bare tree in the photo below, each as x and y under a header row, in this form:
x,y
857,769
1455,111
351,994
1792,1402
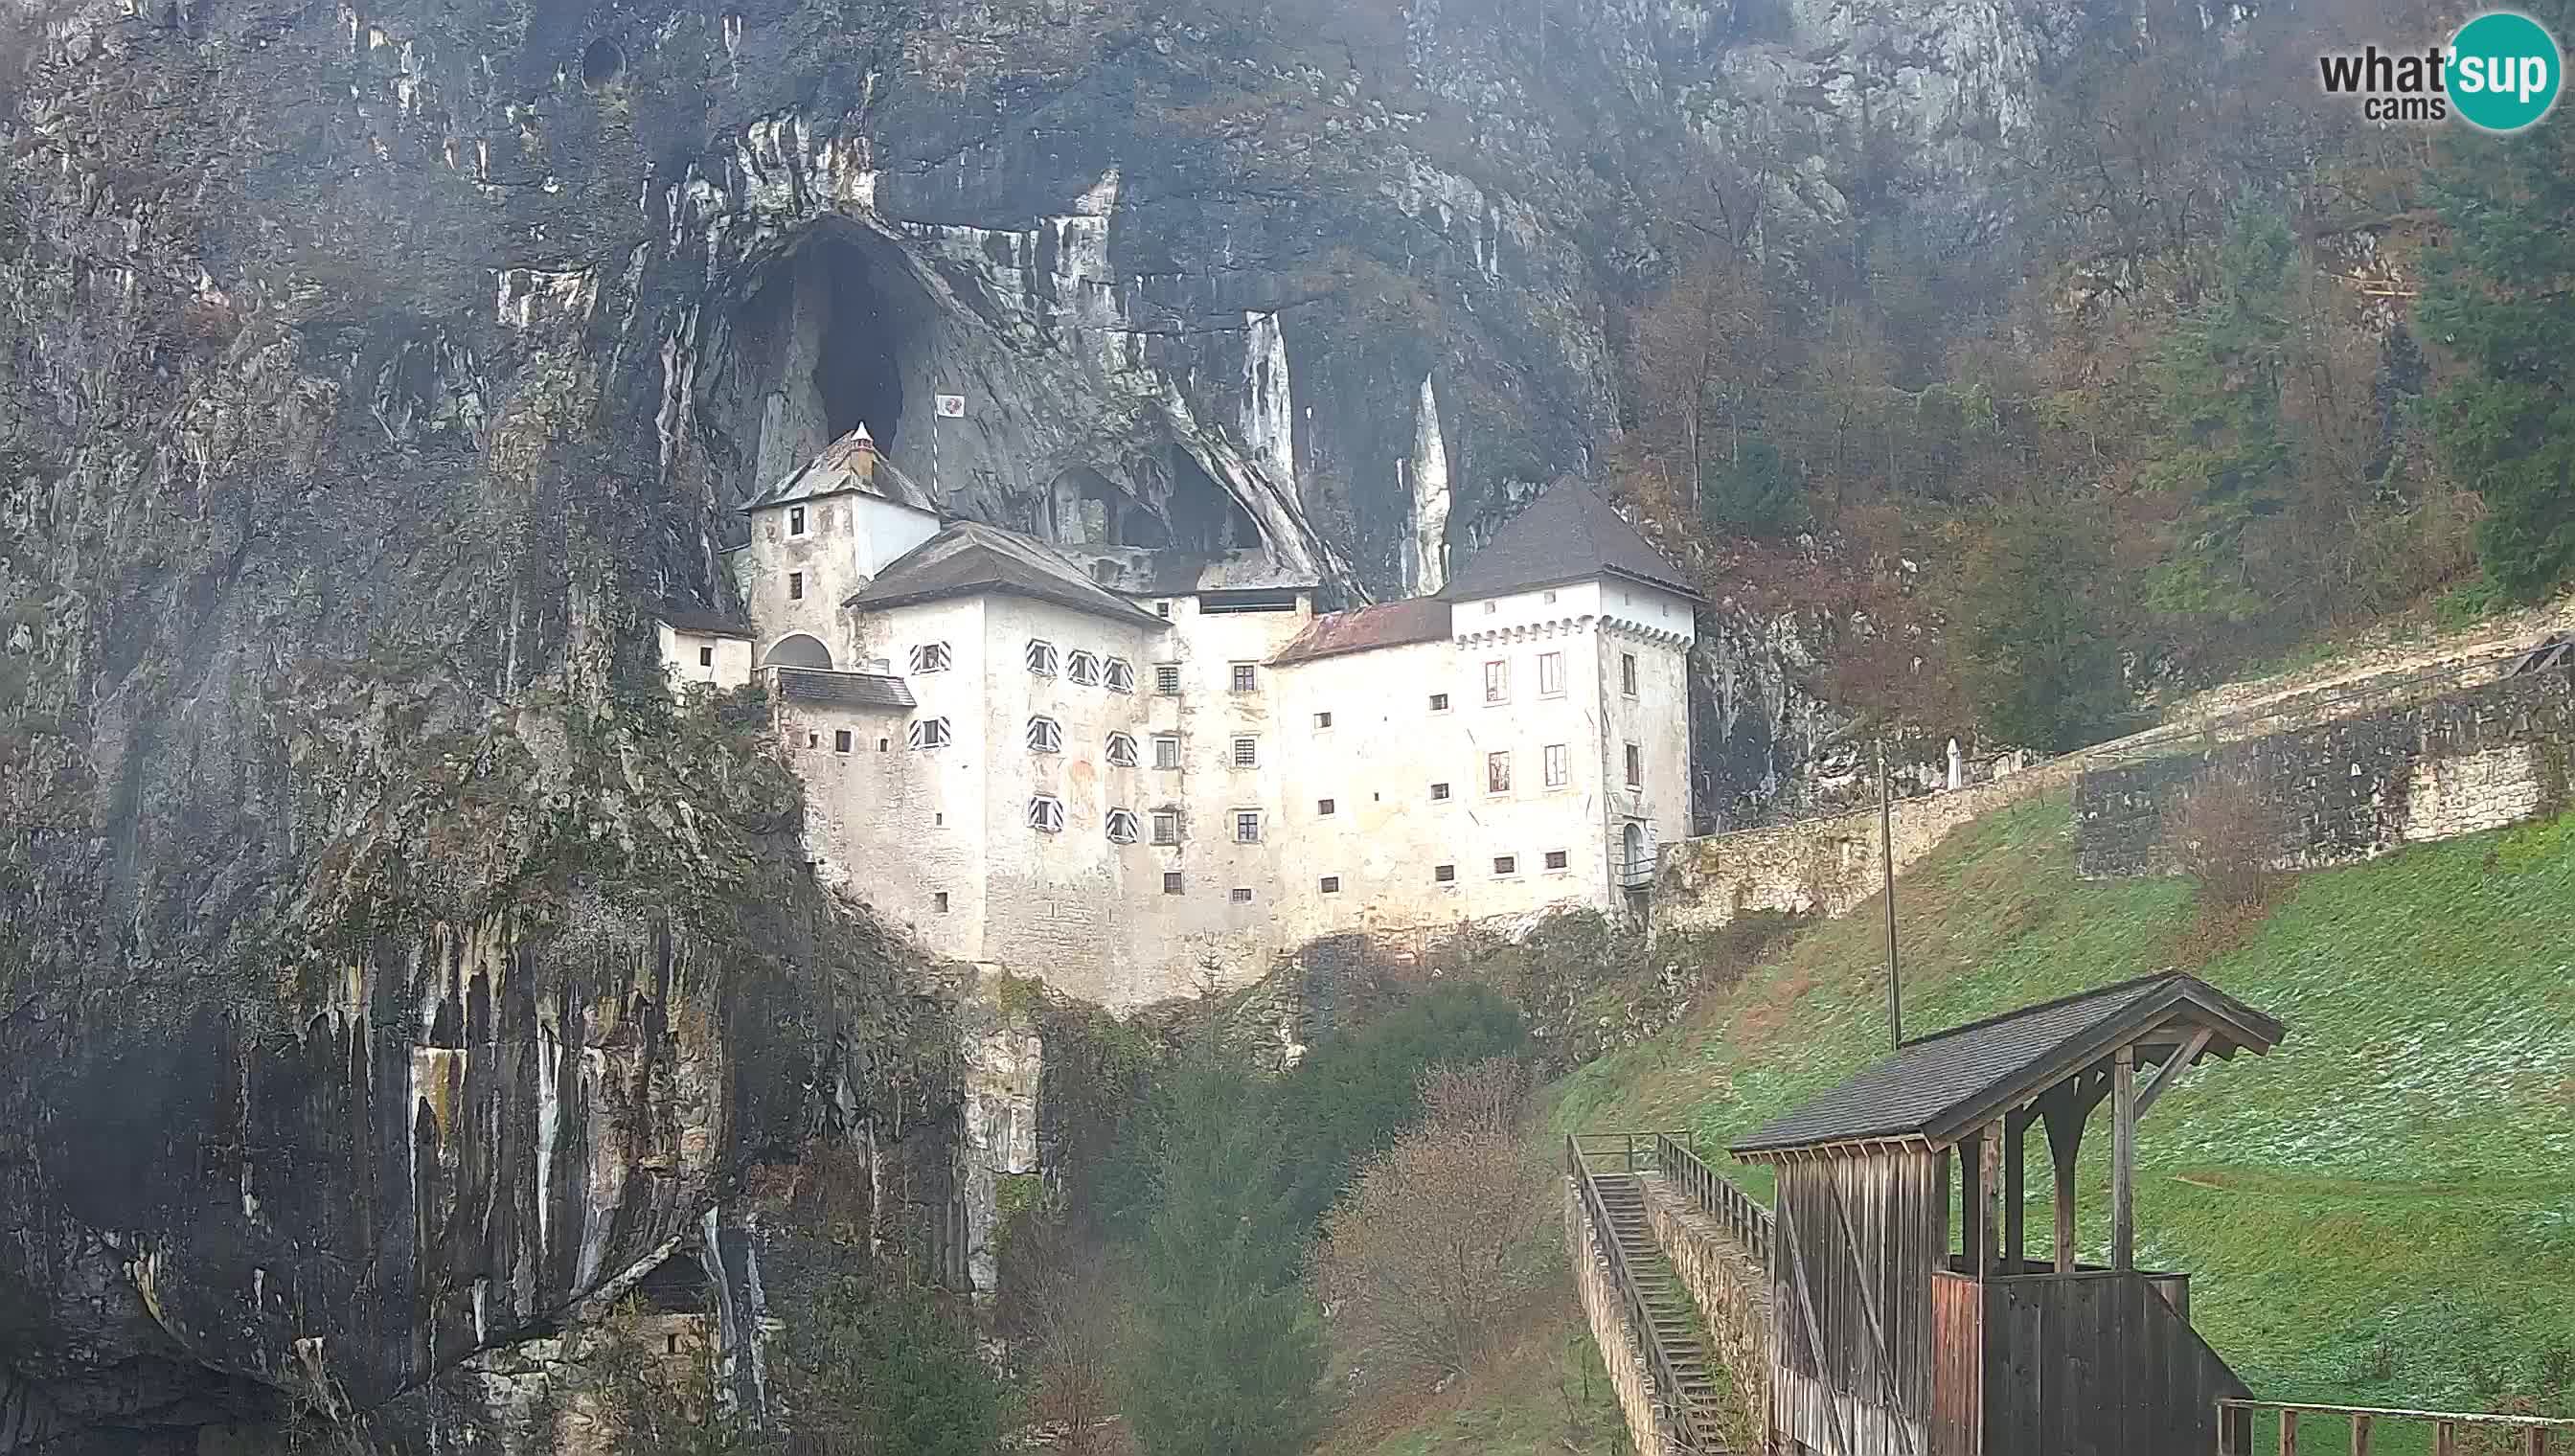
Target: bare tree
x,y
2226,839
1435,1246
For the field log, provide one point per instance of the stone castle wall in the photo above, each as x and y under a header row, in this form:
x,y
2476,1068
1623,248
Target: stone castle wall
x,y
2355,788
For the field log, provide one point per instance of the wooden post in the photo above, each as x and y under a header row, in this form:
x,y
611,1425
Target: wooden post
x,y
2289,1424
2124,1163
1991,1193
2445,1440
1971,1202
2359,1435
2234,1431
2534,1442
2016,1162
2065,1114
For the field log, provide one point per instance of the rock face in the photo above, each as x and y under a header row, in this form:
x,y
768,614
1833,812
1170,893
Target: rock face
x,y
381,971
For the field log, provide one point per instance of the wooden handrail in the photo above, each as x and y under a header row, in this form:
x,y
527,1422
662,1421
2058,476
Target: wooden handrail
x,y
1668,1381
1715,1194
2235,1425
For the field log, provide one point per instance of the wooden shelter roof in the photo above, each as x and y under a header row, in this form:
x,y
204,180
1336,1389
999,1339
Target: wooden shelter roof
x,y
1938,1088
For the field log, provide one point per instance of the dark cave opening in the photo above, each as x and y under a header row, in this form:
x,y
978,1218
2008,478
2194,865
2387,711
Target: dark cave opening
x,y
858,374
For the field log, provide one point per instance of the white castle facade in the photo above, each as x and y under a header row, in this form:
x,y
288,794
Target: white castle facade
x,y
1109,767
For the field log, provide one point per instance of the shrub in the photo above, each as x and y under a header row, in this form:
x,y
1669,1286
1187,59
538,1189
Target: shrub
x,y
2226,837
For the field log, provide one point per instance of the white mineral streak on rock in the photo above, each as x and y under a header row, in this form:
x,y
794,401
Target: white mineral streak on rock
x,y
1003,1063
1085,282
1425,560
527,294
1269,410
549,1126
607,1180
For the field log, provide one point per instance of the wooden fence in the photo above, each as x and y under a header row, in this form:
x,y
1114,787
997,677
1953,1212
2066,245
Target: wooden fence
x,y
1715,1195
2531,1434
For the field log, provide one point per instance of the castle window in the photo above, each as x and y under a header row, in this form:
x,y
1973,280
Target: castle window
x,y
1121,676
1170,882
884,743
1323,807
1493,607
1556,860
1550,598
706,657
1247,752
1628,673
1246,827
795,521
1323,719
1167,679
1438,791
1122,751
1497,772
1242,894
1498,680
1167,750
1331,884
1163,608
1507,865
938,901
1167,827
670,1344
1045,736
813,740
1444,874
928,732
1046,813
1557,770
1550,674
1084,668
840,741
1635,767
1438,702
1246,677
1122,827
930,656
1042,658
795,586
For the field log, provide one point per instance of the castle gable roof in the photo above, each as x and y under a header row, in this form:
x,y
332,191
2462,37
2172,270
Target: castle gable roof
x,y
972,559
1391,623
882,690
1569,533
850,464
702,620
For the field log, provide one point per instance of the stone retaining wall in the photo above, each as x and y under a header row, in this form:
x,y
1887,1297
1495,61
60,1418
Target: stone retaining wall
x,y
2492,755
1647,1427
1733,1295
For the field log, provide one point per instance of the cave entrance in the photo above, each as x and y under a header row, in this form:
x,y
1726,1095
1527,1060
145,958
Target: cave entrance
x,y
833,336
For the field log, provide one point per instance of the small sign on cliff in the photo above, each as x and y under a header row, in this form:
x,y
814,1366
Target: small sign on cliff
x,y
952,407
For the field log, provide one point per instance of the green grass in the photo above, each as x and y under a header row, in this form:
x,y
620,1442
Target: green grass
x,y
1549,1396
2380,1212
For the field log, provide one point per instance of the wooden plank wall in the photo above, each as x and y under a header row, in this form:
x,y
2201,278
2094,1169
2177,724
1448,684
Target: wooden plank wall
x,y
1867,1232
2098,1364
1956,1424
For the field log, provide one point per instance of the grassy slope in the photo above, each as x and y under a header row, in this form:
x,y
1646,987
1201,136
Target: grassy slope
x,y
2382,1211
1547,1395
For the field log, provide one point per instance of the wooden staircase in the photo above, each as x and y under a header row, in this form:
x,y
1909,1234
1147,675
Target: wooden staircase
x,y
1674,1319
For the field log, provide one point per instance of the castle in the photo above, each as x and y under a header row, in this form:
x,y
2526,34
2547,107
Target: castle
x,y
1109,766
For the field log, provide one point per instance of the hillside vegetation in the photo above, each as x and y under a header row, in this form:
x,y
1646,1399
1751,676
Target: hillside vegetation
x,y
2382,1211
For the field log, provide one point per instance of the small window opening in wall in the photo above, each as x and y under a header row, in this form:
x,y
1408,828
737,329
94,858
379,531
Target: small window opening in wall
x,y
813,740
1438,791
938,901
1046,813
939,818
1084,668
1045,736
1331,884
930,656
1444,874
1497,772
1122,827
1162,608
1042,658
1493,607
1246,827
795,586
1628,673
1635,767
840,741
1438,702
1170,882
795,521
670,1344
1556,860
1242,894
1497,682
1121,676
602,63
1559,766
1167,827
884,743
928,732
1167,679
706,657
1247,677
1507,865
1323,807
1323,719
1122,751
1167,750
1247,752
1550,674
1550,596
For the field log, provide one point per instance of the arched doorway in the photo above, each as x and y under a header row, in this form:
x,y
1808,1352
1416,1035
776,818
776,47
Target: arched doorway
x,y
797,650
1635,859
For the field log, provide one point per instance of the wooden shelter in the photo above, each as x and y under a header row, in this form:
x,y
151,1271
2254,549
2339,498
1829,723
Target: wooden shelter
x,y
1890,1340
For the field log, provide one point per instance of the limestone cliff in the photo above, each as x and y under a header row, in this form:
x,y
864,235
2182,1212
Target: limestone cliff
x,y
381,968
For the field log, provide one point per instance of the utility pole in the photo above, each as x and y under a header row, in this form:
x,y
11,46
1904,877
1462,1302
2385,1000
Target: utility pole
x,y
1887,864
